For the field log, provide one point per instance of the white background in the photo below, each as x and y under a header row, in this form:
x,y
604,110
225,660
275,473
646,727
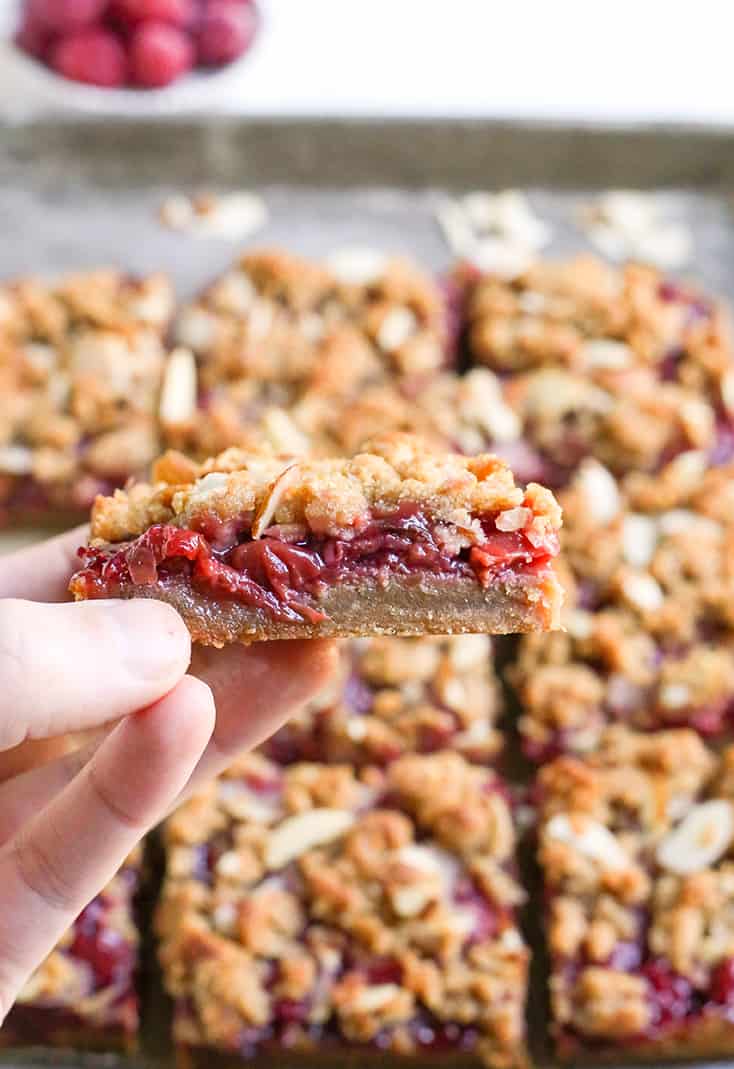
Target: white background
x,y
607,60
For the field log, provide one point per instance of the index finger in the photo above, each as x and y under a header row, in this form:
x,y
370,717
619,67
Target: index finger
x,y
42,572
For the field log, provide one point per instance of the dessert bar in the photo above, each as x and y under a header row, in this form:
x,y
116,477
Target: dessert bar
x,y
396,540
649,636
84,995
363,918
264,317
619,364
283,344
81,363
636,853
393,696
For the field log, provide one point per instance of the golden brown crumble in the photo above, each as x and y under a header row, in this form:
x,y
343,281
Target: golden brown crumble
x,y
393,696
648,617
364,897
331,497
644,826
616,363
81,362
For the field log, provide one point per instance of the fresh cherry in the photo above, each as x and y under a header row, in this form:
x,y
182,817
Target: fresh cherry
x,y
176,12
93,56
226,32
64,16
159,54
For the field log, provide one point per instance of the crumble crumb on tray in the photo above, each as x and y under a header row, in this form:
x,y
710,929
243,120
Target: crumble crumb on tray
x,y
317,908
635,848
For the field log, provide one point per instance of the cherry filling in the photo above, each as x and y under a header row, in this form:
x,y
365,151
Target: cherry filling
x,y
274,573
675,1002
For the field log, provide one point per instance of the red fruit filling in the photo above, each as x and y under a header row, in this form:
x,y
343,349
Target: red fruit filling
x,y
275,572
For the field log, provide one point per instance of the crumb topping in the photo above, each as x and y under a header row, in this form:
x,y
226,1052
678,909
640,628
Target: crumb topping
x,y
81,363
635,847
372,900
393,696
648,639
331,497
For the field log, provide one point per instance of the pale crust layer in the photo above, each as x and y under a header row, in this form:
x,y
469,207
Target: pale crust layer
x,y
429,606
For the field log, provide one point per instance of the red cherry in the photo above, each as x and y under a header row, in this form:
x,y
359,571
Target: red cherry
x,y
159,54
93,56
226,32
33,38
175,12
63,16
722,983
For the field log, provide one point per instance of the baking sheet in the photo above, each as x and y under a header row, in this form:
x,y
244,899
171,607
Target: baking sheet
x,y
84,194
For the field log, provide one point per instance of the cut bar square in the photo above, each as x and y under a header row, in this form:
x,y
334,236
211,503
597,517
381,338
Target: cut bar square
x,y
649,637
282,344
636,853
620,364
84,994
81,362
397,540
393,696
350,917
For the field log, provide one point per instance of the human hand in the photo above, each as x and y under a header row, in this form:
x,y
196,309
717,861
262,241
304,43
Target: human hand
x,y
118,669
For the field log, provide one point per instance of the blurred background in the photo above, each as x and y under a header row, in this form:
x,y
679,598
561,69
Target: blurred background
x,y
631,62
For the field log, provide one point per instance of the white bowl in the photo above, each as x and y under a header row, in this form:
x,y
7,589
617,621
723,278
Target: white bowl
x,y
27,87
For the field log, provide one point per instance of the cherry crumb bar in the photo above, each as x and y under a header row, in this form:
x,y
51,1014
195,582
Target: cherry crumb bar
x,y
84,994
649,629
396,540
393,696
616,363
636,852
327,916
81,364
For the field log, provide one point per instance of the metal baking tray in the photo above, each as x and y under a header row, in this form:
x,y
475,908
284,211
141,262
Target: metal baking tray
x,y
84,193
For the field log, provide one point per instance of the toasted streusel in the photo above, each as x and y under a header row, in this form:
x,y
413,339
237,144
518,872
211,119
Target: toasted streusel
x,y
81,363
649,638
393,696
636,852
619,364
316,908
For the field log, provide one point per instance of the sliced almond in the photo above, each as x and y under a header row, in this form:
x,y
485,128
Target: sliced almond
x,y
356,266
300,833
16,460
589,838
727,391
398,325
600,489
605,353
266,509
177,404
469,651
675,696
513,519
701,838
643,591
639,539
373,998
